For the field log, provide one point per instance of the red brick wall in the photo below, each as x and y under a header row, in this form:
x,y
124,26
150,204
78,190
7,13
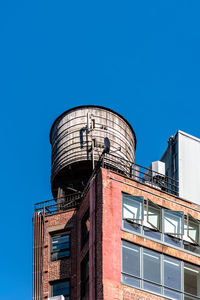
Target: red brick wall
x,y
113,186
104,244
65,268
69,268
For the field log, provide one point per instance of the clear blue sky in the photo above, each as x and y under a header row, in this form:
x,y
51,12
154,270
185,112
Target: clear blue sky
x,y
140,58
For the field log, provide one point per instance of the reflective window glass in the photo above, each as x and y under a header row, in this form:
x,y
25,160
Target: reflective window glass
x,y
152,233
132,207
169,239
193,229
191,279
153,216
152,287
60,246
130,259
172,294
151,266
172,273
191,247
173,222
127,224
61,288
129,280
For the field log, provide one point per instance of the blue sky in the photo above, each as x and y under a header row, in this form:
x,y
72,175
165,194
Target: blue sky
x,y
139,58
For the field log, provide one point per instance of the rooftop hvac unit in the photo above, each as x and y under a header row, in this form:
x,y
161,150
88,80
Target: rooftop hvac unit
x,y
155,175
61,297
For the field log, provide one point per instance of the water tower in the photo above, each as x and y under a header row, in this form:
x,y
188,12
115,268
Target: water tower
x,y
78,139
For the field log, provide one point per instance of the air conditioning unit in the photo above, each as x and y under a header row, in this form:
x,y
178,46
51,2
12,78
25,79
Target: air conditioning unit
x,y
61,297
155,175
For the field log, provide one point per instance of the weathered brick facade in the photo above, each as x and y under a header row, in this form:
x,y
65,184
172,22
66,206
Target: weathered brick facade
x,y
103,200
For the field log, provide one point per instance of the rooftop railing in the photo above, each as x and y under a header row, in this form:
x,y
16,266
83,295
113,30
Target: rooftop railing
x,y
120,166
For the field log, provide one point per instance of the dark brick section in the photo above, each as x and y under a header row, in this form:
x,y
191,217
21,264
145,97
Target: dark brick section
x,y
103,200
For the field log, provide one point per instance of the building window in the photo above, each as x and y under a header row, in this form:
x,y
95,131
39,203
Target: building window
x,y
60,246
154,215
192,279
85,276
152,270
173,222
85,228
171,227
59,288
193,229
131,273
159,273
132,212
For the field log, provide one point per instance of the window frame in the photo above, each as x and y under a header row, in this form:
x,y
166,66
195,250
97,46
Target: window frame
x,y
144,228
140,200
158,208
182,223
58,234
163,288
194,221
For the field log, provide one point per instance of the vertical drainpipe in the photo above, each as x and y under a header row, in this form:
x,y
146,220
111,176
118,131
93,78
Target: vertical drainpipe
x,y
38,237
92,240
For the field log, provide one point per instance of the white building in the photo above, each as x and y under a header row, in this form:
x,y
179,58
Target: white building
x,y
182,162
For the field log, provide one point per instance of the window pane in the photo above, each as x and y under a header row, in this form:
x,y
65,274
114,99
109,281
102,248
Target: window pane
x,y
131,226
172,295
58,255
61,239
193,231
61,288
191,279
172,240
132,207
153,217
189,298
191,247
151,266
172,273
152,233
130,280
60,246
173,222
152,287
130,259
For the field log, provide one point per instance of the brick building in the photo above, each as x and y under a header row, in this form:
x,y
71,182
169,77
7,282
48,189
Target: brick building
x,y
121,237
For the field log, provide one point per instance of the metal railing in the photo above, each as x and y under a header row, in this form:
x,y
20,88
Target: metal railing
x,y
141,174
120,166
53,206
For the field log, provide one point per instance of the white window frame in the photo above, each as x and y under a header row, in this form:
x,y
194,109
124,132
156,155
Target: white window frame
x,y
174,212
159,209
140,200
194,221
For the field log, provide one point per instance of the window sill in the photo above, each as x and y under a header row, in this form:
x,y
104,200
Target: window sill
x,y
146,291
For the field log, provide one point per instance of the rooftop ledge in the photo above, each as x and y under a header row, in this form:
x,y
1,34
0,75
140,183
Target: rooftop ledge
x,y
124,168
